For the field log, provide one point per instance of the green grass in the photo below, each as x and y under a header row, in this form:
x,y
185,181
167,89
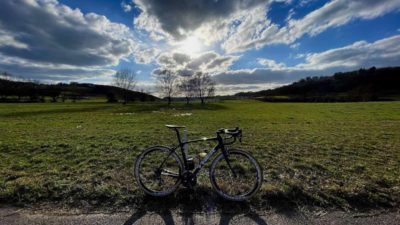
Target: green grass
x,y
333,154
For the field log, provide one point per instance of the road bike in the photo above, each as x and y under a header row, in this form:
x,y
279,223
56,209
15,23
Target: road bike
x,y
234,173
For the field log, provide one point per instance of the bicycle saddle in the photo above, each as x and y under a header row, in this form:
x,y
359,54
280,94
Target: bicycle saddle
x,y
174,126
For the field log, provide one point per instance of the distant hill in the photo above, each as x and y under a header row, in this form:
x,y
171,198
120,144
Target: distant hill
x,y
361,85
20,91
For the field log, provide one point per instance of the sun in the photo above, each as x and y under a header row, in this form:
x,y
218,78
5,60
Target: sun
x,y
190,45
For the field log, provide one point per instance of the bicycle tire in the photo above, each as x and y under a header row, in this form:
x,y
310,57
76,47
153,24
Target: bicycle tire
x,y
139,177
217,186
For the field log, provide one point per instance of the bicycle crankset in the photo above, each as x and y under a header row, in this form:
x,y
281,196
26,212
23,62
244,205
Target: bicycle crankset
x,y
189,179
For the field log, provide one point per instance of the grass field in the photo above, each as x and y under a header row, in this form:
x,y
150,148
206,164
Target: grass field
x,y
334,154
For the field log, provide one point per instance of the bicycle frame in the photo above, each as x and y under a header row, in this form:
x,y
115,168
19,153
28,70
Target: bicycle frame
x,y
219,145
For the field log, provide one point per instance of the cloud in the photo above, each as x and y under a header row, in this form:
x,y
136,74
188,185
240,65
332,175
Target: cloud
x,y
361,54
146,56
256,31
178,18
204,59
233,89
43,33
251,30
126,6
186,65
381,53
271,63
238,26
340,12
262,75
295,45
50,72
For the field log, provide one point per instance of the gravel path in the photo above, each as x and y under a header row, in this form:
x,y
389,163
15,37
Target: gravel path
x,y
15,216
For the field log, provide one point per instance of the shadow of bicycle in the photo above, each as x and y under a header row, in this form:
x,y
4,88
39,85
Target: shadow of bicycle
x,y
202,206
168,218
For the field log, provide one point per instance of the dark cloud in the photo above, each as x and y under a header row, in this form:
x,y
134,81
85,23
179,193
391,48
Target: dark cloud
x,y
181,58
203,59
220,61
179,16
46,32
53,73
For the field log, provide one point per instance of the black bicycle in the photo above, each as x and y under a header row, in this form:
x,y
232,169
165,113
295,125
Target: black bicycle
x,y
234,173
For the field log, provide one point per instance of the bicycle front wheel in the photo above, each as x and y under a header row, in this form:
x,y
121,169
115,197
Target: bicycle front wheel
x,y
158,171
239,181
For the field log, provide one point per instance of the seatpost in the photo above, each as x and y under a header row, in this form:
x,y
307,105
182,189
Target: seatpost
x,y
179,137
185,147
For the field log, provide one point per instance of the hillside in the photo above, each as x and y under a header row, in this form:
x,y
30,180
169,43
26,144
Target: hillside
x,y
18,91
361,85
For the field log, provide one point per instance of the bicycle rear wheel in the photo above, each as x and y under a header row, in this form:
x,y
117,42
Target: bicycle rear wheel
x,y
238,182
158,171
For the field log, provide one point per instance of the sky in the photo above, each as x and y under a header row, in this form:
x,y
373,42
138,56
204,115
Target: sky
x,y
245,45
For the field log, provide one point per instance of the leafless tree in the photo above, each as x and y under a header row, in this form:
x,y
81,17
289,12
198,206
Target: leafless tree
x,y
203,85
187,88
125,79
166,82
211,90
6,76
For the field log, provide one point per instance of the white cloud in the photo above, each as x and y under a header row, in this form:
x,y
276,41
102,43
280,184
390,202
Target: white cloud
x,y
295,45
256,31
251,26
146,56
233,89
381,53
7,39
208,62
126,7
340,12
271,64
305,2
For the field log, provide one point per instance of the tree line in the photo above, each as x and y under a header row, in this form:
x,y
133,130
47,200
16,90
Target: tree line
x,y
199,85
17,89
361,85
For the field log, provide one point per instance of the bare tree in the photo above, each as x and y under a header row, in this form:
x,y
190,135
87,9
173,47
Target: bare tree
x,y
203,85
125,79
211,90
187,88
166,82
6,76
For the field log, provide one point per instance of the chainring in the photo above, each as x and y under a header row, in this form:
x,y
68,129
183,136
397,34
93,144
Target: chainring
x,y
189,179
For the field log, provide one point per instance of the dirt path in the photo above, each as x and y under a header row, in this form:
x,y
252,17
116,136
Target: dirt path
x,y
14,216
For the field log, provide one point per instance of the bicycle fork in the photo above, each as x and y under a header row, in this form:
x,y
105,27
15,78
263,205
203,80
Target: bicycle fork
x,y
226,157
